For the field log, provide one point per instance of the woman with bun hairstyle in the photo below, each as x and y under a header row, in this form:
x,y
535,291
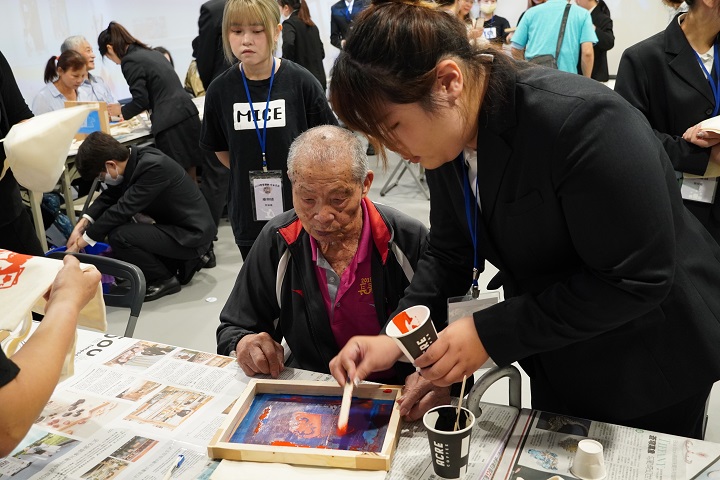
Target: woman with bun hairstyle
x,y
610,284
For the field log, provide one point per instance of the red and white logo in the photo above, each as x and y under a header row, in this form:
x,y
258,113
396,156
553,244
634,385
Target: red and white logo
x,y
11,267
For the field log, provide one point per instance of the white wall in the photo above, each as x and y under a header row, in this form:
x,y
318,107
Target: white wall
x,y
32,30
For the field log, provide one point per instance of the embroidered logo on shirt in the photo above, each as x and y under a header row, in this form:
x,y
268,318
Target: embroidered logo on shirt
x,y
243,119
11,266
365,286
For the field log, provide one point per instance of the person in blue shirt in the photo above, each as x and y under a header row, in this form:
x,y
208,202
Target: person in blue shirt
x,y
94,87
538,31
63,77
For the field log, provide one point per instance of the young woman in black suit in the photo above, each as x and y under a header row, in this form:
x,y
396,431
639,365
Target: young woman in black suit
x,y
672,78
301,38
155,86
610,285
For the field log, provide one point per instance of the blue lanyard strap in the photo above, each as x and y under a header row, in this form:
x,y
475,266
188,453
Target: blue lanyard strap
x,y
471,199
714,86
261,138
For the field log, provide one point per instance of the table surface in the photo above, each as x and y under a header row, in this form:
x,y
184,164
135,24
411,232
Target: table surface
x,y
134,405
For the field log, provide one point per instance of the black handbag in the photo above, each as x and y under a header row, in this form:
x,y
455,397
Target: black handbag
x,y
549,60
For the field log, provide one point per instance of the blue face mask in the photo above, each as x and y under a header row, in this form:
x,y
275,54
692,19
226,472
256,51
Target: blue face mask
x,y
108,180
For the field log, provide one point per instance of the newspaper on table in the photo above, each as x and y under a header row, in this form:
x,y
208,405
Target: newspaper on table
x,y
543,445
134,405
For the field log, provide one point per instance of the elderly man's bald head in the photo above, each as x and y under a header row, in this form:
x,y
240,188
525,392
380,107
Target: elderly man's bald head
x,y
328,146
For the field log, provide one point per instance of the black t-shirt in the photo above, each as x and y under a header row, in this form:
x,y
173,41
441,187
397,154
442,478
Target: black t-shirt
x,y
297,103
495,29
8,369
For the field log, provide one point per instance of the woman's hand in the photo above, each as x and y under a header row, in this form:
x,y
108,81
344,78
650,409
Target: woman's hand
x,y
363,355
701,138
457,352
420,395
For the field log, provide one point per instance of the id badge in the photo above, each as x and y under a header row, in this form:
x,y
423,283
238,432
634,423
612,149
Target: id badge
x,y
490,33
267,194
465,306
699,189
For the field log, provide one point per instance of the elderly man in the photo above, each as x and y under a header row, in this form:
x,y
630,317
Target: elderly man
x,y
333,267
93,86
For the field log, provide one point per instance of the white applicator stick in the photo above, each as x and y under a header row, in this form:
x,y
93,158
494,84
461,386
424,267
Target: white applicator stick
x,y
345,408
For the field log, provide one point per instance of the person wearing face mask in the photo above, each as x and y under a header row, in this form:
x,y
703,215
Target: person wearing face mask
x,y
169,241
494,26
301,38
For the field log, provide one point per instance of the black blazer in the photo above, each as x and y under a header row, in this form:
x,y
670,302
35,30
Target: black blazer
x,y
661,77
603,269
301,44
155,86
208,47
157,186
341,21
13,109
606,41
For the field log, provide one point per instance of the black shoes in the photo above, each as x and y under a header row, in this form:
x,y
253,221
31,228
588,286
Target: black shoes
x,y
161,288
211,261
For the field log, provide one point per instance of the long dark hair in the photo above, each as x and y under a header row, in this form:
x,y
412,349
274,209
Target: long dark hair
x,y
68,60
391,57
120,39
301,7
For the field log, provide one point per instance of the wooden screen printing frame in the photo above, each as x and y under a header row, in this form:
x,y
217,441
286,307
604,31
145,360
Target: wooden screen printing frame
x,y
221,447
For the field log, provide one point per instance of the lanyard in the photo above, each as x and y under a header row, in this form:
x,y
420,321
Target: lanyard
x,y
262,139
714,86
469,200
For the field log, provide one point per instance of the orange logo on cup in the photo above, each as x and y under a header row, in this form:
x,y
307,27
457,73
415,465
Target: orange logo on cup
x,y
405,322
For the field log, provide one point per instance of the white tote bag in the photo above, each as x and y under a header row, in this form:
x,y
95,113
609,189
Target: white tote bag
x,y
36,149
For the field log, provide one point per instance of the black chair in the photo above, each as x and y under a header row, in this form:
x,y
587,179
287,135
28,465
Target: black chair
x,y
132,297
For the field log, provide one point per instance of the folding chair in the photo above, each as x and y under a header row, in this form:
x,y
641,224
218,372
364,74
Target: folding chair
x,y
132,297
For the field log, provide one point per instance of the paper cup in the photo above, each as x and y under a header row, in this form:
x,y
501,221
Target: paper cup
x,y
449,449
589,463
412,330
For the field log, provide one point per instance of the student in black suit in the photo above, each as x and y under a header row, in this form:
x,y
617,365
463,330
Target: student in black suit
x,y
16,228
155,86
301,38
663,78
208,53
611,286
169,240
342,15
600,14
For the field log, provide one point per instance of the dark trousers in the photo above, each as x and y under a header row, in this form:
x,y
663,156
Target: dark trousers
x,y
156,253
244,250
214,184
19,236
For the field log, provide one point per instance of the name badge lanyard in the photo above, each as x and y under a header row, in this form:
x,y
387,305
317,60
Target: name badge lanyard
x,y
261,138
714,85
471,210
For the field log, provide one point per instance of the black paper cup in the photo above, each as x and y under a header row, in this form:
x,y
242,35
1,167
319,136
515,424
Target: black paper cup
x,y
449,448
415,336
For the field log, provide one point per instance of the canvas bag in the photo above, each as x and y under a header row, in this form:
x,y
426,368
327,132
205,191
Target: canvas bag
x,y
549,60
36,149
24,280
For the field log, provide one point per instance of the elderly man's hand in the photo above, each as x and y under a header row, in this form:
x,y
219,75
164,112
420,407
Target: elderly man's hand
x,y
259,353
419,396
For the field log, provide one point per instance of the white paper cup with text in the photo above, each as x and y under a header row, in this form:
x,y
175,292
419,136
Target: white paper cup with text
x,y
589,463
412,330
449,448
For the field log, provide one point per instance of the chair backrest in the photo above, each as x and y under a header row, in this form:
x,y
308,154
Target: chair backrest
x,y
132,297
